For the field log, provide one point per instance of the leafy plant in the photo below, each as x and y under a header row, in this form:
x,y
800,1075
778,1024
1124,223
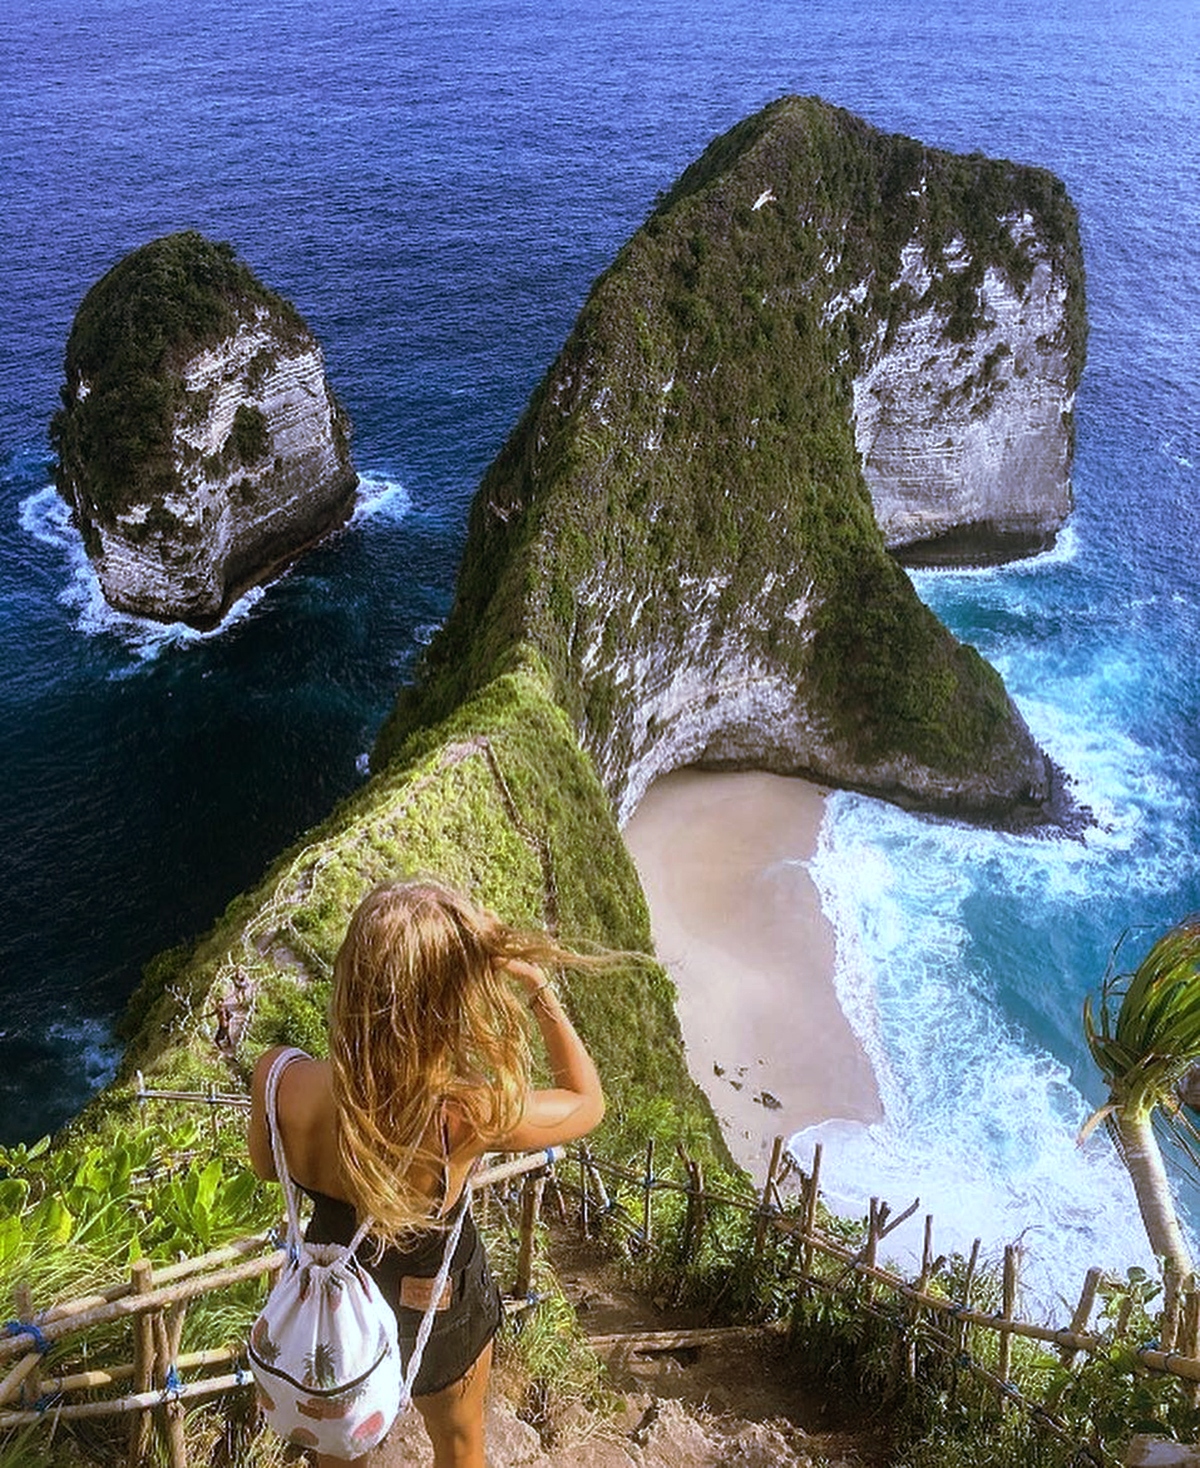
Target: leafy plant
x,y
1144,1045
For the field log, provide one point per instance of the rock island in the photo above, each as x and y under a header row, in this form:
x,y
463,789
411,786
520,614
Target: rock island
x,y
199,444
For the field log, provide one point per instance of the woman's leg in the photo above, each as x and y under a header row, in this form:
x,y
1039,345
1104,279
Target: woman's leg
x,y
454,1417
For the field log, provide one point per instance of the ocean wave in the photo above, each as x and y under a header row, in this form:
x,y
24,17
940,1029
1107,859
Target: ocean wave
x,y
928,580
380,497
93,1050
980,1119
47,518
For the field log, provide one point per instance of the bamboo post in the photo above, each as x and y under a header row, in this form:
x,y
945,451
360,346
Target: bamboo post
x,y
1004,1365
811,1197
212,1112
765,1209
584,1211
141,1278
870,1251
693,1222
648,1192
806,1242
700,1215
14,1382
23,1304
531,1205
556,1193
1189,1340
965,1302
171,1410
1083,1312
593,1172
929,1267
871,1247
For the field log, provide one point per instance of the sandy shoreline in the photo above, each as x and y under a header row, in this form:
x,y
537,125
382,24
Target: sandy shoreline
x,y
738,924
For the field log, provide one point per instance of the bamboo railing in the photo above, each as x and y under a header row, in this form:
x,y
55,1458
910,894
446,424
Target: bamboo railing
x,y
952,1322
151,1389
153,1301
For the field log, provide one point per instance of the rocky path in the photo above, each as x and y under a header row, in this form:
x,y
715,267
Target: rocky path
x,y
682,1396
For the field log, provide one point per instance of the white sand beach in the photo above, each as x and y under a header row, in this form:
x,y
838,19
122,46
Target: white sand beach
x,y
738,924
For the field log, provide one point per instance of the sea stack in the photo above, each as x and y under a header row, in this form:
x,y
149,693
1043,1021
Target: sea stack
x,y
825,343
199,443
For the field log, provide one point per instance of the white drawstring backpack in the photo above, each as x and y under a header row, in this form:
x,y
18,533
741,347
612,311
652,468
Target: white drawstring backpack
x,y
323,1352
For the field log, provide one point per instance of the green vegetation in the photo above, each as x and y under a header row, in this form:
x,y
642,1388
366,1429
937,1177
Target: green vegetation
x,y
696,430
249,439
499,801
136,325
1144,1051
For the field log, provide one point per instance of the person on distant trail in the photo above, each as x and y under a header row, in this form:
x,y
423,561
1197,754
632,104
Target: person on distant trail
x,y
429,1067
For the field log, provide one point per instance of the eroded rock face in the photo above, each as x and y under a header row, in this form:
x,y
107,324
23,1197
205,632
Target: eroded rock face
x,y
206,470
966,445
820,331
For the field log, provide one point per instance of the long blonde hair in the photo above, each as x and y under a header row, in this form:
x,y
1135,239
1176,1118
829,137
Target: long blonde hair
x,y
422,1013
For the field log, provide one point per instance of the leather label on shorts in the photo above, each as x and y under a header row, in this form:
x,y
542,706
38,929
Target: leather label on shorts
x,y
416,1293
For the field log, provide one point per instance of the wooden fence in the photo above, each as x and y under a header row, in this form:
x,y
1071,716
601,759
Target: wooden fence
x,y
946,1317
151,1385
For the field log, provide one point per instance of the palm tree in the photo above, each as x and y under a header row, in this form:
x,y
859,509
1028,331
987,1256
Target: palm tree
x,y
1144,1052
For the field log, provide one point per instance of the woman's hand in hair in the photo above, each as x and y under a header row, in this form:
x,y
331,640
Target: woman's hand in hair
x,y
528,975
574,1105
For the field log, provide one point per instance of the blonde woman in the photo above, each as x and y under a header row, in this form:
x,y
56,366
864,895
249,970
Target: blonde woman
x,y
429,1066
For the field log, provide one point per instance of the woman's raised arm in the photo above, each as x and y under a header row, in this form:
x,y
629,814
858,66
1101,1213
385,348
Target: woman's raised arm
x,y
574,1105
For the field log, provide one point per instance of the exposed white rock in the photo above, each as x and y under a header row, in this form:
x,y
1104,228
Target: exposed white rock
x,y
970,436
228,524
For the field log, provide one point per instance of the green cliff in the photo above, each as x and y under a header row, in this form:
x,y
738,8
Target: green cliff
x,y
679,525
499,800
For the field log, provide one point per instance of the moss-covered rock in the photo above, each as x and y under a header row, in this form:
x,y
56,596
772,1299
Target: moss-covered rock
x,y
679,524
199,444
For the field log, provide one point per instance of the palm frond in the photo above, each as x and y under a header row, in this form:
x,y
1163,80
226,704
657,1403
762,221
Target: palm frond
x,y
1145,1031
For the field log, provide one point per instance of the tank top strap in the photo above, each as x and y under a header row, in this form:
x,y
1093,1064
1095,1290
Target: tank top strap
x,y
444,1127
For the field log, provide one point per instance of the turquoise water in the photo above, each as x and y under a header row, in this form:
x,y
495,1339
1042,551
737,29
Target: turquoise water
x,y
436,190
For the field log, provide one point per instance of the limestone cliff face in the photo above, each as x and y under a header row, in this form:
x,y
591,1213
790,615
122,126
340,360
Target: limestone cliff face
x,y
680,528
200,465
966,444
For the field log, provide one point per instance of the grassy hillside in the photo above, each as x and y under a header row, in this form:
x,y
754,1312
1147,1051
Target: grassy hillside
x,y
497,800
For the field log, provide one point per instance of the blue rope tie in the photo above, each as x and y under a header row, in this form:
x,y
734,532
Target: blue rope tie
x,y
22,1327
44,1403
239,1376
172,1384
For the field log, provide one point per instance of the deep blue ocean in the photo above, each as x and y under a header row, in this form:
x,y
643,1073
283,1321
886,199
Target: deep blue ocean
x,y
435,188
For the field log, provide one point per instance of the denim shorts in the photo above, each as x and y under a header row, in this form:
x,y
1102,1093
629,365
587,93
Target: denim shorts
x,y
460,1332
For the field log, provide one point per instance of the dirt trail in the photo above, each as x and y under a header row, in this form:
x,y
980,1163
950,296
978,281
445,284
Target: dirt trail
x,y
723,1399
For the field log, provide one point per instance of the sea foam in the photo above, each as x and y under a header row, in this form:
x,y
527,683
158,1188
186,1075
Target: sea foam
x,y
979,1120
47,517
